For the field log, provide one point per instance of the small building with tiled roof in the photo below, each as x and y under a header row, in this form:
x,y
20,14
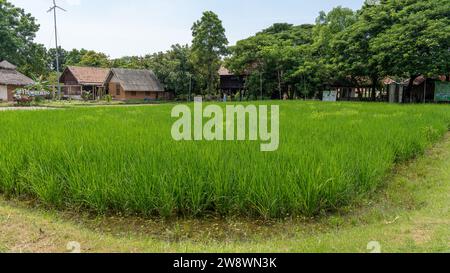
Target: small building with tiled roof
x,y
89,79
422,89
427,89
10,80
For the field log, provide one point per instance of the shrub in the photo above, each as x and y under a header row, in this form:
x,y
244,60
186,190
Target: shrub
x,y
86,96
108,98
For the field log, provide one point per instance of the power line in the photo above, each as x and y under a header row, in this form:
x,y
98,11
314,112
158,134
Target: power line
x,y
53,8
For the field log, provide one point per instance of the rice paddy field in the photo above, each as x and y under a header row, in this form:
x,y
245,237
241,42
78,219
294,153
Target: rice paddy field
x,y
124,160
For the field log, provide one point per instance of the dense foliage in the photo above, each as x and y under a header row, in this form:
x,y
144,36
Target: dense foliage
x,y
396,38
17,32
401,39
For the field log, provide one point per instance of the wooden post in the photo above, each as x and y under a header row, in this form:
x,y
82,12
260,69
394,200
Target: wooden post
x,y
425,91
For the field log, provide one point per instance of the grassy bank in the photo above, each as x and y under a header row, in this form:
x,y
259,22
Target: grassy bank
x,y
411,214
124,160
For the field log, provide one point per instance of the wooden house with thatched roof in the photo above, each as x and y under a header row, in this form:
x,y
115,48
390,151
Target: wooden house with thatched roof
x,y
76,79
10,80
129,84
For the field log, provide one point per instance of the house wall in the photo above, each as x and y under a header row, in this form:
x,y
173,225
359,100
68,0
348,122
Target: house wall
x,y
130,95
3,92
232,83
11,89
143,95
112,88
71,90
416,94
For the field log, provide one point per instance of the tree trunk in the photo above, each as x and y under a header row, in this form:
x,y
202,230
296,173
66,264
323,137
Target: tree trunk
x,y
279,83
410,87
280,75
210,89
209,80
374,88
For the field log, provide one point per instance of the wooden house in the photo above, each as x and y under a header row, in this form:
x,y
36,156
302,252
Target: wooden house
x,y
424,90
421,90
89,79
10,80
230,83
355,89
129,84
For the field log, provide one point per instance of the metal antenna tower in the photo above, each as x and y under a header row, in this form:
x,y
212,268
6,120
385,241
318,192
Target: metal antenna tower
x,y
54,8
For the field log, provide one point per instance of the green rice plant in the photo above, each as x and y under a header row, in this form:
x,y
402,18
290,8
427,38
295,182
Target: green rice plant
x,y
125,160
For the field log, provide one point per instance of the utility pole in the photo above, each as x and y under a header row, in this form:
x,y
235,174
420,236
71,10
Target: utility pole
x,y
425,91
53,8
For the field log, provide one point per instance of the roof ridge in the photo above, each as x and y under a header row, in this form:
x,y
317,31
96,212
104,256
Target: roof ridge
x,y
7,65
136,69
89,67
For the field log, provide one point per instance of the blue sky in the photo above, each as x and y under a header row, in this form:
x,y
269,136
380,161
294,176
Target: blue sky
x,y
138,27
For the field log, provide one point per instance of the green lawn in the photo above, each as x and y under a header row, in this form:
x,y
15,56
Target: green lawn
x,y
124,160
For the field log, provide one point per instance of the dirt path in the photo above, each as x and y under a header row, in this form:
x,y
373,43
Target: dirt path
x,y
25,108
412,214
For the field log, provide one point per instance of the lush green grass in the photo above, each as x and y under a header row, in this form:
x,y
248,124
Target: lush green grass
x,y
124,159
410,214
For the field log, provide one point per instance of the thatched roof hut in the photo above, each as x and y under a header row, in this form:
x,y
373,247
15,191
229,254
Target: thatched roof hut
x,y
10,76
133,84
136,80
10,80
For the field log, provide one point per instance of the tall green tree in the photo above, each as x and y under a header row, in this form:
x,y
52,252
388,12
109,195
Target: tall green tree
x,y
130,62
95,59
174,69
400,38
62,56
352,56
17,32
208,46
74,56
417,41
271,58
